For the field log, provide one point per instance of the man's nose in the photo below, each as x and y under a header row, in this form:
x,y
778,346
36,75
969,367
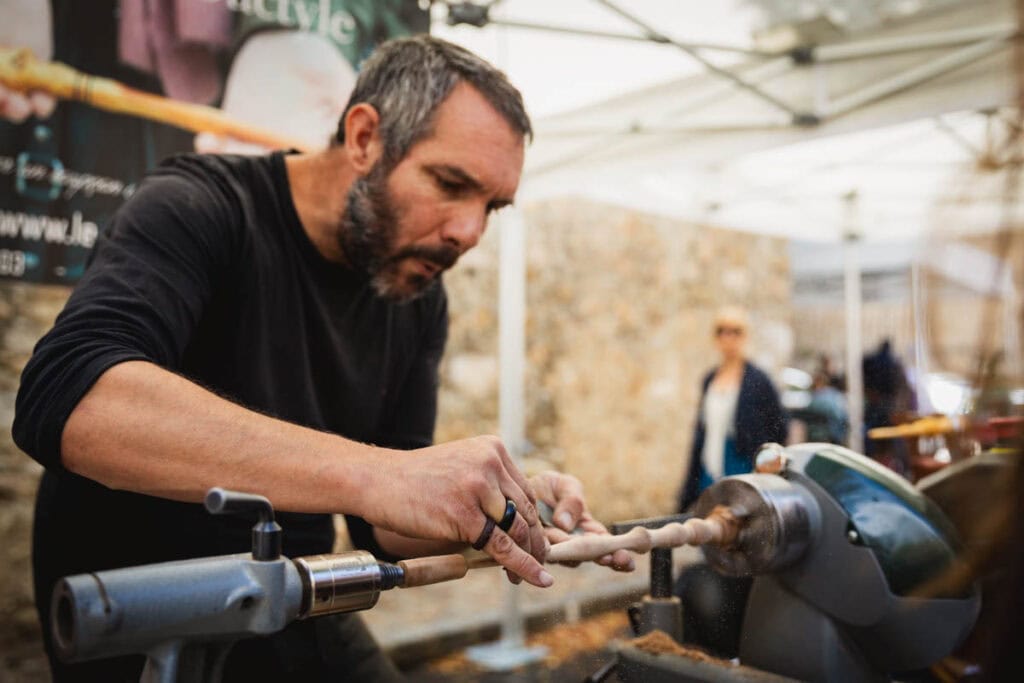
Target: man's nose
x,y
465,228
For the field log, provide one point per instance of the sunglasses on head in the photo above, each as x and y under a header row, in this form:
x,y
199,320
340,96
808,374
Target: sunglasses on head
x,y
724,329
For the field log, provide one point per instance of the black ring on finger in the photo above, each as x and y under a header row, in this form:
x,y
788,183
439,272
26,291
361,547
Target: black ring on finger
x,y
485,535
510,515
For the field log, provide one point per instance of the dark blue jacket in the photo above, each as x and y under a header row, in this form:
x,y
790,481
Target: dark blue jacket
x,y
759,419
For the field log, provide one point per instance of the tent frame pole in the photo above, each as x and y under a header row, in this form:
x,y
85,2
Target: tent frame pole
x,y
854,334
511,650
591,33
912,43
798,116
911,77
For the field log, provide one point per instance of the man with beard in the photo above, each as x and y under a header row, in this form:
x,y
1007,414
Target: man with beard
x,y
257,323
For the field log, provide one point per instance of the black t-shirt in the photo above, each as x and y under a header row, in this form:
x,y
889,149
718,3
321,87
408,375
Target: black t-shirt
x,y
208,272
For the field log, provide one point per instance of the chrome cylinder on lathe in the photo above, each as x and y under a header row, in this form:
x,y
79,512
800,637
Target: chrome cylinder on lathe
x,y
779,520
346,582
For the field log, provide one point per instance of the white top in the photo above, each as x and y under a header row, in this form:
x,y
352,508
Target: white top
x,y
719,417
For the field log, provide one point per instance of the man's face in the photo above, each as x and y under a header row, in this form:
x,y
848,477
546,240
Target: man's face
x,y
408,226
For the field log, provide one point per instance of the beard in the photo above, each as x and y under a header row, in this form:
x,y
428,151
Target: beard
x,y
369,230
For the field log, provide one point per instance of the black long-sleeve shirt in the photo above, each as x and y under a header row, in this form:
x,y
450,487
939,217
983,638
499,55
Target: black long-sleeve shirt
x,y
208,272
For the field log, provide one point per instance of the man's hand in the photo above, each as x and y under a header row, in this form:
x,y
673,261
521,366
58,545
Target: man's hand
x,y
564,493
448,491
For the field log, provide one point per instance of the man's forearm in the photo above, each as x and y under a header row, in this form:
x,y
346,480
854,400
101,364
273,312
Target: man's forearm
x,y
144,429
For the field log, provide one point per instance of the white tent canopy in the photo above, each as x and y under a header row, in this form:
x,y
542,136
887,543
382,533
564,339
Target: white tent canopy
x,y
896,107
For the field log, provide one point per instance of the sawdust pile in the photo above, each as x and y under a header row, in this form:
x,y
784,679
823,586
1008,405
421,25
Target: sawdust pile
x,y
661,643
566,641
452,664
563,642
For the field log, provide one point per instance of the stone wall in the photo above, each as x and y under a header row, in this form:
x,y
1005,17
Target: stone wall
x,y
619,315
26,312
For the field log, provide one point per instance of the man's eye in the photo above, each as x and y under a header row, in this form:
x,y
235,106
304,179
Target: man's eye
x,y
451,187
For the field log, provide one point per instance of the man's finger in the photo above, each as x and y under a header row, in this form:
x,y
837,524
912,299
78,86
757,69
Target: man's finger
x,y
568,512
556,535
521,497
538,542
530,537
571,506
591,525
516,560
516,475
623,561
496,497
520,533
620,561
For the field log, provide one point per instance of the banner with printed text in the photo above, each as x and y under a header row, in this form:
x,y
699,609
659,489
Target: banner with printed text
x,y
111,87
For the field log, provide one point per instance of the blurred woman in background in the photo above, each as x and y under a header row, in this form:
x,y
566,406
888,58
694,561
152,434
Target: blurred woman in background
x,y
739,411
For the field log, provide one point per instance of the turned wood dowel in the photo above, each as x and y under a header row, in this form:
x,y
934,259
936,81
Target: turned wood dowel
x,y
423,571
719,527
21,70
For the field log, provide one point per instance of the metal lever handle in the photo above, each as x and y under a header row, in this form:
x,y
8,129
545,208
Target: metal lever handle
x,y
222,501
266,534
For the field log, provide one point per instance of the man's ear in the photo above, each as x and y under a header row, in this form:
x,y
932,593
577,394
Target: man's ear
x,y
362,137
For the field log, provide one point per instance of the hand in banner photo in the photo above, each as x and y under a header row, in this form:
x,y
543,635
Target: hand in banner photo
x,y
303,99
16,106
32,30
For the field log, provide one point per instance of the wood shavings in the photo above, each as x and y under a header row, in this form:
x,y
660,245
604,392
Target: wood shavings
x,y
567,641
564,642
660,643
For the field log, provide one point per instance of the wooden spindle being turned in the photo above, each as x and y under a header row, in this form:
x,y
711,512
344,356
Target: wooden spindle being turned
x,y
720,527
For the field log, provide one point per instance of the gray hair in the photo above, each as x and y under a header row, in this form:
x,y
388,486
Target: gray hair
x,y
407,79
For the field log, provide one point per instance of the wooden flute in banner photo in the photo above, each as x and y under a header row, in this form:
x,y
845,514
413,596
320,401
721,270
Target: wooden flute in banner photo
x,y
21,70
